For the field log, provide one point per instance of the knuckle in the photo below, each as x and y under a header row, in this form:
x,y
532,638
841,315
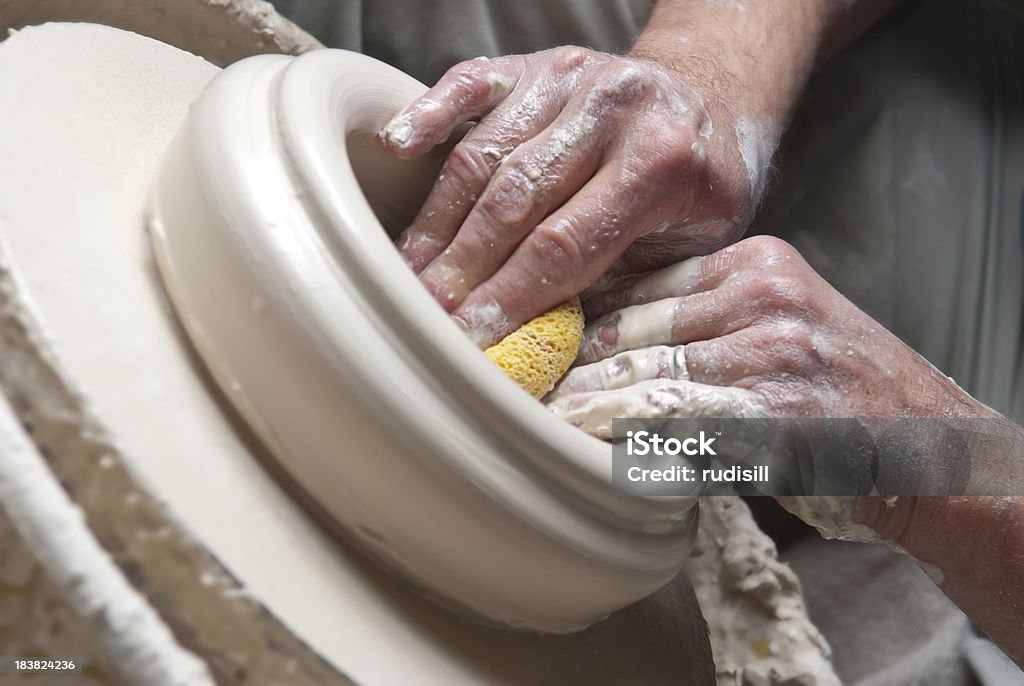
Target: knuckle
x,y
769,251
468,165
775,293
785,292
795,353
785,349
782,283
569,58
473,68
560,247
511,198
621,81
704,361
469,82
669,154
796,343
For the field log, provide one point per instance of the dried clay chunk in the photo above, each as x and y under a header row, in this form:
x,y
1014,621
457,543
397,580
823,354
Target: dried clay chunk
x,y
538,353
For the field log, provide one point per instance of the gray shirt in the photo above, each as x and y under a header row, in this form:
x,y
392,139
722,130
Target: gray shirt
x,y
426,37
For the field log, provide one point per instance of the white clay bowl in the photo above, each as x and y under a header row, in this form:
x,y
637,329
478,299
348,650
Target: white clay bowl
x,y
284,274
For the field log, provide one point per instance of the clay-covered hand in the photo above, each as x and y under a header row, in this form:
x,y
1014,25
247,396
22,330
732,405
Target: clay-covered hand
x,y
577,156
750,330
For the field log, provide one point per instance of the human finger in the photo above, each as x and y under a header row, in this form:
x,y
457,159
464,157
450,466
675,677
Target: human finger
x,y
701,316
539,99
465,174
560,257
654,399
625,369
467,91
689,276
541,175
680,279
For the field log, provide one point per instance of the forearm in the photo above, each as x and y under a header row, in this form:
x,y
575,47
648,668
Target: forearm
x,y
972,544
976,545
756,53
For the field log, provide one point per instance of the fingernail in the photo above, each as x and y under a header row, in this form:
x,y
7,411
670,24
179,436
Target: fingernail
x,y
608,332
398,131
416,248
484,324
479,337
599,339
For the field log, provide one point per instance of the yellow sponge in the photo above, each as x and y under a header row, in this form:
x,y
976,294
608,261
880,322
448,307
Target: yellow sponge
x,y
538,353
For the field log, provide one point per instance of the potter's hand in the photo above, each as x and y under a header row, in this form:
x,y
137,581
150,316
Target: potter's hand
x,y
753,330
577,155
760,334
583,161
